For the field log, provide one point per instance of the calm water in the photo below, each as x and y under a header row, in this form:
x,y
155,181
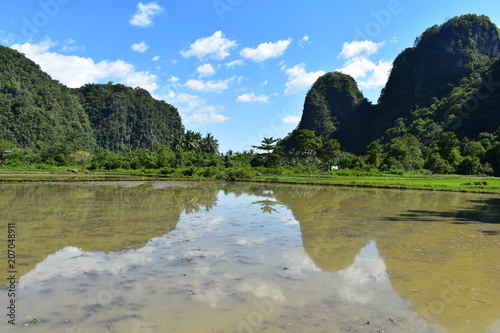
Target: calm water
x,y
250,258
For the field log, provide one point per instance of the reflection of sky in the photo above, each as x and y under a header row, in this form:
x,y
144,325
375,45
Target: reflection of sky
x,y
360,282
234,249
201,227
367,274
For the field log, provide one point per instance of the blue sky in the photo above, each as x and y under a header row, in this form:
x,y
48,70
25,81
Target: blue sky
x,y
239,69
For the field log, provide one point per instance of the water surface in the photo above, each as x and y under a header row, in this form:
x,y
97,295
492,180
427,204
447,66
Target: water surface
x,y
251,258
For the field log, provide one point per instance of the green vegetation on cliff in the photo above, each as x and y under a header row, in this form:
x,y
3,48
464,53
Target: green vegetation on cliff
x,y
442,97
42,114
125,118
439,113
36,111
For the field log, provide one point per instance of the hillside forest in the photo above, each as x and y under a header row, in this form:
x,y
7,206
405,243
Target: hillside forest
x,y
438,114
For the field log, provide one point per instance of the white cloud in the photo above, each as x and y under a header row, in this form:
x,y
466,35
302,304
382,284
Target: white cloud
x,y
166,97
208,86
206,70
368,74
140,47
207,114
173,79
379,75
358,67
217,46
304,41
71,46
156,58
144,14
195,111
191,102
235,63
42,47
75,71
291,120
251,97
299,79
140,79
266,50
357,48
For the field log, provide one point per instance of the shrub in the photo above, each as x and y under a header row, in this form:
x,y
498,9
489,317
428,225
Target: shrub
x,y
239,174
208,172
166,171
188,172
396,172
15,163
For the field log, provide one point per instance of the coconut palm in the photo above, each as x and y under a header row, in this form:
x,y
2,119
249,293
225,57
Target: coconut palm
x,y
192,141
209,144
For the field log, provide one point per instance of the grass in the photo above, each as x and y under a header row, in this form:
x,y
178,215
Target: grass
x,y
441,183
33,321
342,178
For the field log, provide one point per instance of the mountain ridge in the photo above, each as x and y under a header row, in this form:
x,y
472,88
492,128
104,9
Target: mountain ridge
x,y
38,112
433,80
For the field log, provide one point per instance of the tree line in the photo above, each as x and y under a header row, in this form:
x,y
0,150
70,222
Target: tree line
x,y
192,153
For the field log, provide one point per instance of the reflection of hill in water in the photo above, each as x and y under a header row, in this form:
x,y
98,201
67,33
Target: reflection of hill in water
x,y
448,271
438,254
92,218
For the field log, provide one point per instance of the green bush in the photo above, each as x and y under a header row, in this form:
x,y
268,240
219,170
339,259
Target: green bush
x,y
396,172
209,172
239,174
188,172
15,162
166,171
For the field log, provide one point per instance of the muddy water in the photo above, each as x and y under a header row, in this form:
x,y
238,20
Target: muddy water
x,y
250,258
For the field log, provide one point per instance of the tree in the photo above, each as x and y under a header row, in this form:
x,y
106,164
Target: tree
x,y
192,141
271,155
5,147
437,164
374,153
470,165
107,160
493,157
209,144
178,142
405,153
447,143
471,148
81,158
307,145
330,152
268,145
166,157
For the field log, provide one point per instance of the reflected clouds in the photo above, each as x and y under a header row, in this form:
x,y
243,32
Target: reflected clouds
x,y
364,279
312,255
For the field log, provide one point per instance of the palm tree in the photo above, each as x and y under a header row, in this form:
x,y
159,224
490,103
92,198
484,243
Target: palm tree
x,y
268,145
209,144
178,142
192,141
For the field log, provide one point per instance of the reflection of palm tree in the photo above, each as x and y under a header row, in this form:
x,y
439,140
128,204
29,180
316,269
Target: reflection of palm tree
x,y
267,206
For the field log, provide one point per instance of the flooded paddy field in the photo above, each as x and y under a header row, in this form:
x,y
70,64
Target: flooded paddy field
x,y
152,257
